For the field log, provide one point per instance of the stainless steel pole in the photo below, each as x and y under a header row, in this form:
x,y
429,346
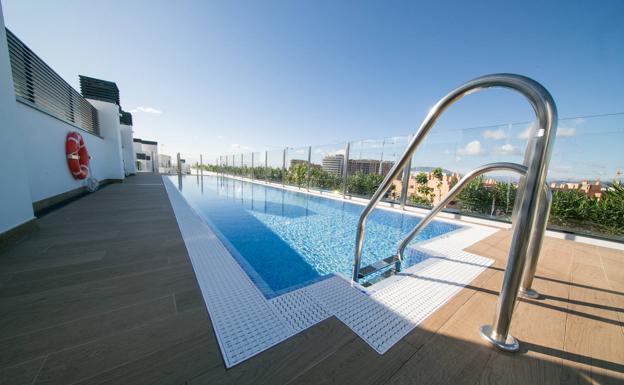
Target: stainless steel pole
x,y
380,169
405,183
535,246
201,165
531,199
345,170
528,204
252,166
179,166
266,167
284,165
308,169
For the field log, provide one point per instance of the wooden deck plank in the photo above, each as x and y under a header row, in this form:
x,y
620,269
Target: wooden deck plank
x,y
594,340
455,354
536,364
285,362
55,338
84,361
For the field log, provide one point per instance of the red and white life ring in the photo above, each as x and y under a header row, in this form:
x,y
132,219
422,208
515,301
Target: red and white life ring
x,y
77,155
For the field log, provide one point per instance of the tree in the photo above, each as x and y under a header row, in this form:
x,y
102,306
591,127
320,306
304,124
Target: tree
x,y
423,196
363,184
323,179
421,178
475,197
438,175
297,174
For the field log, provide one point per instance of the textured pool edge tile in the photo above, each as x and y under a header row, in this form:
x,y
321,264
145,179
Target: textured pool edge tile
x,y
246,323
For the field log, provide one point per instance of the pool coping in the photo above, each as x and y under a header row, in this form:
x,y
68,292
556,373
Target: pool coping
x,y
246,323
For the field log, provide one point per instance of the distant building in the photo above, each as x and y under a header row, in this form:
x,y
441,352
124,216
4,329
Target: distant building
x,y
439,188
294,162
369,166
333,163
592,190
164,164
146,155
184,168
127,145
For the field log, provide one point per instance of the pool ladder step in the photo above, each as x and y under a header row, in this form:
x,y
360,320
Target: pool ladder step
x,y
377,266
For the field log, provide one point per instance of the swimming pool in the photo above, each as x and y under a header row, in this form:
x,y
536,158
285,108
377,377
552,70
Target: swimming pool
x,y
285,239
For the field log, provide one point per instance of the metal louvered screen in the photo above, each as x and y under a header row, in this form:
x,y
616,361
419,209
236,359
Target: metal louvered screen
x,y
37,85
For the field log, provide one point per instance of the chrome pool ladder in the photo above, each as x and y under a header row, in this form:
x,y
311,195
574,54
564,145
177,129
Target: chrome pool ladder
x,y
532,204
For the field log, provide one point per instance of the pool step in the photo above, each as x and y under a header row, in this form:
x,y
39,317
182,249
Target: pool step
x,y
379,265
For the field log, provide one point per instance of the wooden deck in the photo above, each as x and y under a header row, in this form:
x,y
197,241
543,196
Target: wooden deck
x,y
104,292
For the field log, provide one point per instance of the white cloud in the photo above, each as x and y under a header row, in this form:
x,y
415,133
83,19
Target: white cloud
x,y
498,134
507,149
149,110
238,147
526,133
472,148
566,132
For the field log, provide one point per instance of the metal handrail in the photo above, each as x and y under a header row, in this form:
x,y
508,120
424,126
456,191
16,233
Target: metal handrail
x,y
459,186
537,157
537,234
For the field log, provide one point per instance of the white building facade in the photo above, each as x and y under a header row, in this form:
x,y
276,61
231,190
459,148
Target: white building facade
x,y
146,155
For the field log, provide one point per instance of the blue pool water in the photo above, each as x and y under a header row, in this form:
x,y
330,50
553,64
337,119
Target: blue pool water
x,y
285,239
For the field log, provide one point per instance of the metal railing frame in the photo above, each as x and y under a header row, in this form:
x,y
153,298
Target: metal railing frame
x,y
537,234
537,157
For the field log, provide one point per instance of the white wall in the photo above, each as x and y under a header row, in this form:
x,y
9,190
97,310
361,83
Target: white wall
x,y
149,150
44,143
32,144
111,158
15,203
127,149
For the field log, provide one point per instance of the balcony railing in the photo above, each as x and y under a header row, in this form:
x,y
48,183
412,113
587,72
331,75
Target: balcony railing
x,y
585,173
37,85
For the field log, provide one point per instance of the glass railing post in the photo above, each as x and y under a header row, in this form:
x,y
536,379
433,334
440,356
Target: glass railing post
x,y
345,170
380,168
201,165
252,166
284,166
266,167
405,183
308,168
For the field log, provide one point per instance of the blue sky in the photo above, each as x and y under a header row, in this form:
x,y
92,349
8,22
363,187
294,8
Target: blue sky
x,y
230,76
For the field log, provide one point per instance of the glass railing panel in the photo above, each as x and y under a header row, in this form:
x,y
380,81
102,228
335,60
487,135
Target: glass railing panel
x,y
275,166
327,164
297,167
585,172
369,162
248,160
393,149
258,165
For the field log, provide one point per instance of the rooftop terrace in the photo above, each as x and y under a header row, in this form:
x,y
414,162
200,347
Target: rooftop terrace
x,y
104,292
